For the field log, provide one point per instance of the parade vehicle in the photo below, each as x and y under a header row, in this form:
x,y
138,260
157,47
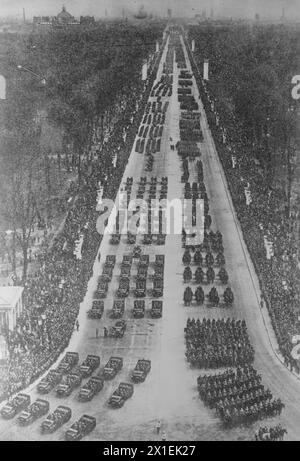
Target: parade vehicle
x,y
18,403
97,309
161,238
120,395
158,288
199,275
89,365
127,260
102,289
90,389
140,195
210,275
131,238
187,274
186,258
141,371
84,426
223,276
68,362
48,383
56,419
144,260
142,272
113,366
156,309
68,384
36,410
147,239
139,309
125,272
187,296
158,273
124,286
199,296
228,296
118,309
110,260
115,239
118,329
140,289
107,273
209,259
159,260
220,259
198,257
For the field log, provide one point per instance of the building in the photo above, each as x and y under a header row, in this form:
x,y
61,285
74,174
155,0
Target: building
x,y
64,17
87,20
11,306
169,13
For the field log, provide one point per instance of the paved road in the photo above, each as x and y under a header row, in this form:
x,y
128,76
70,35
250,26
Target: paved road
x,y
169,392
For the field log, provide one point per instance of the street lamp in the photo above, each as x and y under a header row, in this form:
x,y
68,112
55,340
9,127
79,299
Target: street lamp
x,y
41,79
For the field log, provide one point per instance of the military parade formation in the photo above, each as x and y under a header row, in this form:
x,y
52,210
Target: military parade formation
x,y
130,286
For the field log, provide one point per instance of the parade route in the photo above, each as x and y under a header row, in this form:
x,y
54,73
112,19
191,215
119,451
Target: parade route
x,y
169,393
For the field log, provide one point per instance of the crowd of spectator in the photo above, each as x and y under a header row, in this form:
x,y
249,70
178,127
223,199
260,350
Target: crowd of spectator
x,y
53,294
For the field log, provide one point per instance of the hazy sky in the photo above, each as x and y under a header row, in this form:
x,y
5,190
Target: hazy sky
x,y
235,8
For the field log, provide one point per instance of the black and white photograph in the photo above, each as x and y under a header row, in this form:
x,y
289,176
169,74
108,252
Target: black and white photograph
x,y
149,223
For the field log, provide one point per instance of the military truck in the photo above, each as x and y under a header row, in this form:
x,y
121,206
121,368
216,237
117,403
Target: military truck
x,y
37,409
120,395
56,419
110,260
68,384
18,403
118,329
68,362
81,428
113,366
123,290
48,383
141,371
97,309
156,309
139,309
140,289
118,308
89,365
90,389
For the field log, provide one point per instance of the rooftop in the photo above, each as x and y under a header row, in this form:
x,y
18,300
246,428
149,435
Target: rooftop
x,y
9,296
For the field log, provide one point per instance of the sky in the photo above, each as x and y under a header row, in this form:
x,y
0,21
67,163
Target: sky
x,y
236,8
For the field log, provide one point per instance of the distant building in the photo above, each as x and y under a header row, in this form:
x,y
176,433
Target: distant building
x,y
257,17
87,20
169,13
64,18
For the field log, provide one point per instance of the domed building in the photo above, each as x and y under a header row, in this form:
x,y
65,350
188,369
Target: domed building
x,y
64,17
